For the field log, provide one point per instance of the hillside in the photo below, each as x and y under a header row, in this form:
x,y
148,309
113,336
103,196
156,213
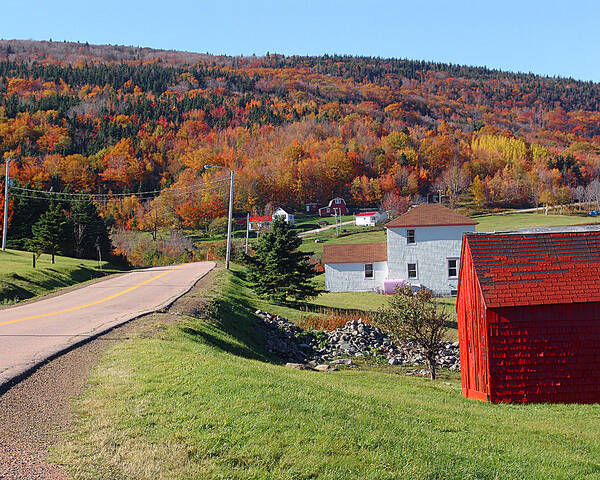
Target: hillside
x,y
117,120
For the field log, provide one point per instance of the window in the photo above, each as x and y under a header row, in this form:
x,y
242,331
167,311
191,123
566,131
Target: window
x,y
410,236
412,270
452,267
368,270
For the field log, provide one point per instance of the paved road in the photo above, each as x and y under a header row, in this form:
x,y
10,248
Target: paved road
x,y
32,332
322,229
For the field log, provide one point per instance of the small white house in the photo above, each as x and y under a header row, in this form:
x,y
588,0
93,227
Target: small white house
x,y
422,248
369,219
288,217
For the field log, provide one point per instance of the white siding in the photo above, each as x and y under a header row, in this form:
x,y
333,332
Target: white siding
x,y
432,248
350,277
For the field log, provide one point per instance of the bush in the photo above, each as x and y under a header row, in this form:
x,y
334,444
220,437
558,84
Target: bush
x,y
218,226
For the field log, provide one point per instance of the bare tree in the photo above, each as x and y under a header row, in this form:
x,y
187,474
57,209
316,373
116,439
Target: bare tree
x,y
593,192
453,181
416,317
579,194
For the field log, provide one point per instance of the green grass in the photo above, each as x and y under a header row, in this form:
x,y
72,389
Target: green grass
x,y
202,401
19,280
513,221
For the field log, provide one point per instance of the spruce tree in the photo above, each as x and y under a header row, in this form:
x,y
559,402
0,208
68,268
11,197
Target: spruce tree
x,y
89,230
277,269
51,233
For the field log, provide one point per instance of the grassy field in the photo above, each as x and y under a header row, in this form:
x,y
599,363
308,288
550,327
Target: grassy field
x,y
512,221
203,400
19,280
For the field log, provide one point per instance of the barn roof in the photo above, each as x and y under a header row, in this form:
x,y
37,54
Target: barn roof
x,y
355,253
550,267
430,215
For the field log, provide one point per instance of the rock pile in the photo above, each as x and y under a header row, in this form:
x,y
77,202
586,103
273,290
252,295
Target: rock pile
x,y
357,338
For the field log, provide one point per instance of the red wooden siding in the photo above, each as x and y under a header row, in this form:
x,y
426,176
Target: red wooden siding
x,y
472,332
545,353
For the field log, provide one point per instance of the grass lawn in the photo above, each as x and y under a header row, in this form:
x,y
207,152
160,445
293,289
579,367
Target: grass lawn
x,y
203,400
513,221
19,280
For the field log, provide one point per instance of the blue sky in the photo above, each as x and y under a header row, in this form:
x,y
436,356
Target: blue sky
x,y
547,37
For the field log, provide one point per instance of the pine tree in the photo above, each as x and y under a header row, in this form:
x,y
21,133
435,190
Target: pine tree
x,y
51,233
278,270
89,230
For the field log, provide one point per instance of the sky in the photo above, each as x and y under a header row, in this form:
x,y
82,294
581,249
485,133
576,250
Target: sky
x,y
545,37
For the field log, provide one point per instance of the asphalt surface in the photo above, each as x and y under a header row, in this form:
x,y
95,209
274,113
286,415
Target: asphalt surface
x,y
32,333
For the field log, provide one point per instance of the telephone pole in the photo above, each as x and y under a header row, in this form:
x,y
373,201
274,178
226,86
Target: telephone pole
x,y
247,231
5,221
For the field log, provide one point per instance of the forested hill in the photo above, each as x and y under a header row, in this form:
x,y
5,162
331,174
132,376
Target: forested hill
x,y
88,118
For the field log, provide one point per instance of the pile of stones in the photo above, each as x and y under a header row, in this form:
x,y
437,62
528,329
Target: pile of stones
x,y
336,347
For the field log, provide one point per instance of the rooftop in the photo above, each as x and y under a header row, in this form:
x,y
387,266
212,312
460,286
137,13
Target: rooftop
x,y
547,267
355,253
430,215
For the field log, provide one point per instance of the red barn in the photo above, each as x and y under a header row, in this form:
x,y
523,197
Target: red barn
x,y
336,205
528,308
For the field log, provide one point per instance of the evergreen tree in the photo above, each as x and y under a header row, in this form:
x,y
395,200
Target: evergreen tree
x,y
278,270
51,233
89,231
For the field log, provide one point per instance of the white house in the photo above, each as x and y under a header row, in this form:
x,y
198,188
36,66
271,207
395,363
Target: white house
x,y
369,219
288,217
422,248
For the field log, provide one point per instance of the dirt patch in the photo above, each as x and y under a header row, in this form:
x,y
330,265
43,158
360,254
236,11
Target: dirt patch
x,y
38,408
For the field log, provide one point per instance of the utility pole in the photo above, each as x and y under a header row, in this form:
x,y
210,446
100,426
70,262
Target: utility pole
x,y
5,221
228,254
247,231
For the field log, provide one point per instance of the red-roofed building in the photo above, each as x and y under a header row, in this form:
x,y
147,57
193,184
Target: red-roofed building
x,y
528,310
369,219
336,206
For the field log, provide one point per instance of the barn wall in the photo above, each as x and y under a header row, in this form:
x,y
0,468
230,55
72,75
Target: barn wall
x,y
433,247
545,353
472,332
350,277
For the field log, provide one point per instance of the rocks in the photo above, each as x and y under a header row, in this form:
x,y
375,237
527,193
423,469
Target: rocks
x,y
323,368
355,339
297,366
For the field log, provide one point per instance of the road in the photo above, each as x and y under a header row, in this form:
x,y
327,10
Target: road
x,y
322,229
33,332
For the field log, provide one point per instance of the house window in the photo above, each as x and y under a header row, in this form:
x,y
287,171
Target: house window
x,y
368,270
452,267
412,270
410,236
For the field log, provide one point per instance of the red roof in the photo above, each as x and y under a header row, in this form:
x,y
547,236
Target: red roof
x,y
366,214
258,219
536,268
430,215
355,253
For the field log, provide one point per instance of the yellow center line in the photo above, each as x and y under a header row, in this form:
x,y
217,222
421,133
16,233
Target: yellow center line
x,y
102,300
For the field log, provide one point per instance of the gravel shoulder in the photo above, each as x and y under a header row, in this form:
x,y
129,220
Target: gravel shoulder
x,y
37,409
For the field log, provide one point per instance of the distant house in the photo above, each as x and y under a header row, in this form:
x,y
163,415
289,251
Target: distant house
x,y
422,249
528,309
336,206
288,217
312,207
369,219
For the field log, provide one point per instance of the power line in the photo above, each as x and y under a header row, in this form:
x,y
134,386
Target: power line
x,y
30,193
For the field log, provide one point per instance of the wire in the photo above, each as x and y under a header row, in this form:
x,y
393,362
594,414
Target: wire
x,y
147,195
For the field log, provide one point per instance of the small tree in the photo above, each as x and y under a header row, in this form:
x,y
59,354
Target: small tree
x,y
278,270
51,233
416,317
218,226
